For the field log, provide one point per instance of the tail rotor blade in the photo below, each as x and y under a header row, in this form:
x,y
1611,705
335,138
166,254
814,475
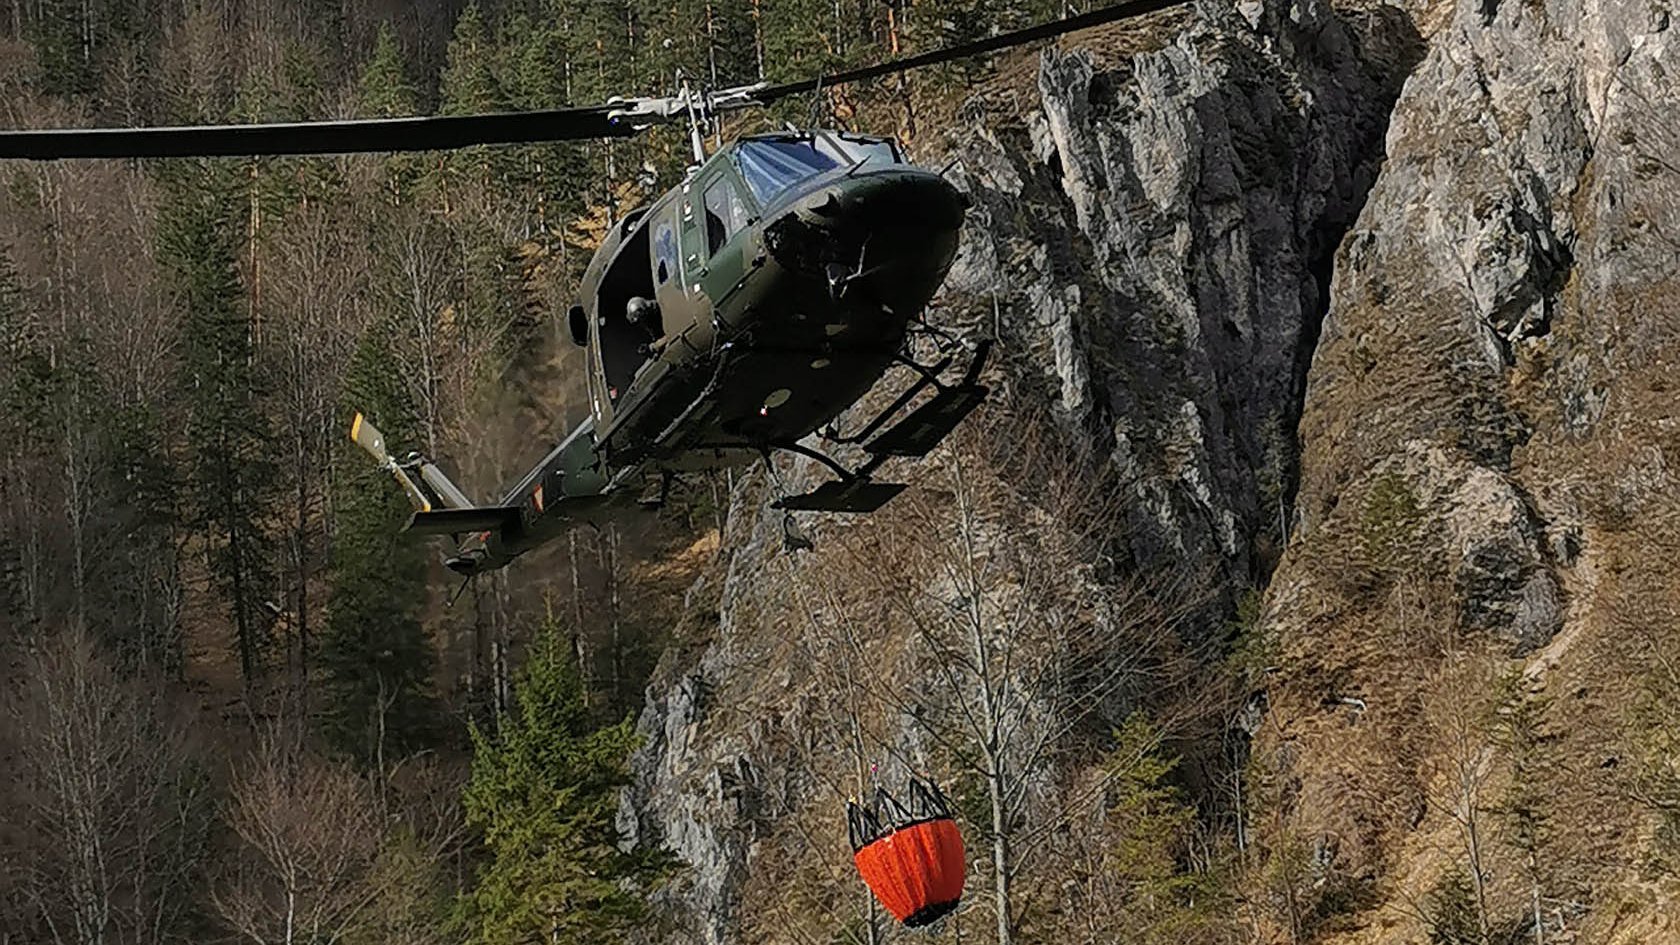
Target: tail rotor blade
x,y
368,437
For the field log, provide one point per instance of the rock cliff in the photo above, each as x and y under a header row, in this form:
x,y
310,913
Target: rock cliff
x,y
1310,283
1486,445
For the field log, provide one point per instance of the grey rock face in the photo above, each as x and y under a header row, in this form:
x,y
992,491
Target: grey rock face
x,y
694,785
1501,326
1506,239
1158,243
1151,243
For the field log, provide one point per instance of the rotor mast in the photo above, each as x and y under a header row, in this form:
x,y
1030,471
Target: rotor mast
x,y
696,135
701,109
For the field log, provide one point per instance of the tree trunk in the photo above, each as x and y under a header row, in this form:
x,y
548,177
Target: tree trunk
x,y
580,646
1473,846
758,39
607,548
244,632
1000,855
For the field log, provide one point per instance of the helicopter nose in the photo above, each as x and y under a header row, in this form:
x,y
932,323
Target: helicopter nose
x,y
891,199
888,233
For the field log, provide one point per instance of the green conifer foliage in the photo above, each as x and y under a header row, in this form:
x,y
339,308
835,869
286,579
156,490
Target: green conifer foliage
x,y
385,88
65,43
799,39
141,569
469,85
1450,910
544,791
733,37
1168,901
375,652
541,180
26,397
385,91
230,472
25,369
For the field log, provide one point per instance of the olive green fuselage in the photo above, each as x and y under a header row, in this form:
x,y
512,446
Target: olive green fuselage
x,y
768,321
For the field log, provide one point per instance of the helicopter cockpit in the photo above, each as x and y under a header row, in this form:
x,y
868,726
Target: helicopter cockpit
x,y
771,164
666,250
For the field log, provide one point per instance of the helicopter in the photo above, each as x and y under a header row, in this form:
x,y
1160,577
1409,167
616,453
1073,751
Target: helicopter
x,y
736,315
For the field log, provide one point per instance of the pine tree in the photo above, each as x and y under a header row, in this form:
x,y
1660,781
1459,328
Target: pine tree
x,y
384,85
541,179
142,571
544,790
1451,912
733,39
799,39
385,92
23,360
953,22
468,85
26,397
304,96
230,475
1165,901
64,44
375,653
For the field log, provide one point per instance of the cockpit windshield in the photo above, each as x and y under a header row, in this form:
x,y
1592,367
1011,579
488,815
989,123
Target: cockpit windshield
x,y
771,165
858,150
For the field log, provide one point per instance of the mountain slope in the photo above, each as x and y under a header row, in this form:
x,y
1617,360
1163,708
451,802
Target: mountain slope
x,y
1487,443
1151,243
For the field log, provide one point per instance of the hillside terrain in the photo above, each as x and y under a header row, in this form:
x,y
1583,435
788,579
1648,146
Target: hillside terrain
x,y
1308,576
1364,311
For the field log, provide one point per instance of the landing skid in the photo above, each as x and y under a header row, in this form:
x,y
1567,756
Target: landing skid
x,y
916,435
858,494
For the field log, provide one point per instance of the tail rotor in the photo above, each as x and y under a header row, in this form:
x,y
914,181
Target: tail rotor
x,y
368,437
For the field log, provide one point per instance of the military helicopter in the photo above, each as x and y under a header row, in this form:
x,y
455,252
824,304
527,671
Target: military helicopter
x,y
736,315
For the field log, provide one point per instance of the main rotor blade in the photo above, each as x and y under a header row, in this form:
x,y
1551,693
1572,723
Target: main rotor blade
x,y
980,47
437,133
425,133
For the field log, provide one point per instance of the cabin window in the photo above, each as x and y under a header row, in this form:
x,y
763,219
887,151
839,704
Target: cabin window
x,y
726,215
772,165
665,250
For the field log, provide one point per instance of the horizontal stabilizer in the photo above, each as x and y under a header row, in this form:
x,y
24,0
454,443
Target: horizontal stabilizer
x,y
460,521
856,495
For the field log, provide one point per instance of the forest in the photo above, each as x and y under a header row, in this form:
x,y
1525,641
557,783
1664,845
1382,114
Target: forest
x,y
237,705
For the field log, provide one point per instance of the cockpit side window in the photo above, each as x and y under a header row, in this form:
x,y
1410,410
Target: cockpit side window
x,y
725,213
772,165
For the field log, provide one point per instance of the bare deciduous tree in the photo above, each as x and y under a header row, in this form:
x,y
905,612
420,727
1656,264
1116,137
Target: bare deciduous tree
x,y
114,806
1461,709
1013,641
310,832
